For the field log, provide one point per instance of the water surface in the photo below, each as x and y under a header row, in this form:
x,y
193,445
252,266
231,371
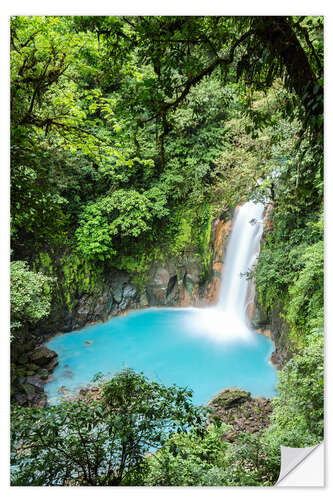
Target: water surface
x,y
197,348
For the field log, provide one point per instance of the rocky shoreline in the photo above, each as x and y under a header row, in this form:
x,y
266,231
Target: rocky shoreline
x,y
232,406
169,284
31,369
236,407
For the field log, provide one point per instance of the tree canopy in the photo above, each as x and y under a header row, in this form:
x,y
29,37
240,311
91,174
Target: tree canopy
x,y
129,136
99,441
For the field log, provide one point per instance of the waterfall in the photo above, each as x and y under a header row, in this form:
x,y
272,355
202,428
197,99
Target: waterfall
x,y
242,252
227,321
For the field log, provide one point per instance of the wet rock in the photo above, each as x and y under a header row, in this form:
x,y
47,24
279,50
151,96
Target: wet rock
x,y
129,292
157,285
52,364
99,311
21,398
189,285
109,304
114,309
123,305
42,401
36,381
84,310
42,356
117,292
30,391
66,325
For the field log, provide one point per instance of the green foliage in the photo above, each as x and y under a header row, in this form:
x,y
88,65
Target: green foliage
x,y
190,460
98,442
30,296
299,289
251,461
124,213
298,415
184,234
128,135
306,307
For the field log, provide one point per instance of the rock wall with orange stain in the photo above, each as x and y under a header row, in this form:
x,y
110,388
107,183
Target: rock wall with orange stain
x,y
221,230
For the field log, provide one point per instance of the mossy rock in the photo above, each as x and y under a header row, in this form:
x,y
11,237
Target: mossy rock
x,y
33,367
43,373
28,388
230,398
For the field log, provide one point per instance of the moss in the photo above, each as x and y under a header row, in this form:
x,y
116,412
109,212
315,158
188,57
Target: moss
x,y
78,277
45,259
206,251
184,236
188,231
230,398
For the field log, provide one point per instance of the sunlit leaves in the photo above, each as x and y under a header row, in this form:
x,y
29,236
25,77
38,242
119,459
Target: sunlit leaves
x,y
100,442
30,296
124,213
298,415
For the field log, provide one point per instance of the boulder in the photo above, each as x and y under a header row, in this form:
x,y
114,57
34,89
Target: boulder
x,y
42,356
157,285
36,381
117,292
21,398
42,401
229,398
129,292
123,305
237,408
52,364
30,391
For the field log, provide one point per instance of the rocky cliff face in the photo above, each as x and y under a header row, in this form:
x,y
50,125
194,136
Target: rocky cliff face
x,y
271,324
174,281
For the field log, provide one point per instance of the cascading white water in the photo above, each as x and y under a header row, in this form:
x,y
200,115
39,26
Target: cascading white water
x,y
227,321
242,251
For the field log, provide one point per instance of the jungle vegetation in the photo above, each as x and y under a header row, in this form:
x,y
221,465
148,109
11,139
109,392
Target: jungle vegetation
x,y
127,134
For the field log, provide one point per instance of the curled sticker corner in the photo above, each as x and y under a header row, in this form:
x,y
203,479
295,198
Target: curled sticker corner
x,y
292,458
